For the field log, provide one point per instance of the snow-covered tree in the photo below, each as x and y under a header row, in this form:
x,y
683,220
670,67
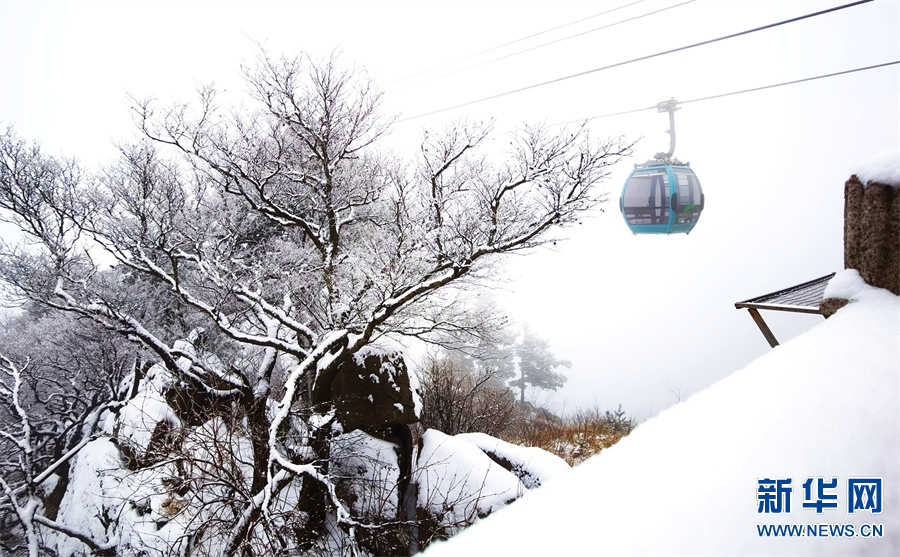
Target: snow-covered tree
x,y
487,348
58,375
260,257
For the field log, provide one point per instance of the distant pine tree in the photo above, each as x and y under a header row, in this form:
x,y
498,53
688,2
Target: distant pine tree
x,y
537,364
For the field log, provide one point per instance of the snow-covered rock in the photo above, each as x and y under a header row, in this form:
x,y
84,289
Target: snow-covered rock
x,y
146,415
95,477
375,389
370,468
532,465
882,168
458,483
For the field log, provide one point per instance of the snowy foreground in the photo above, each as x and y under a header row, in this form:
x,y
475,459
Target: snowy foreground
x,y
824,405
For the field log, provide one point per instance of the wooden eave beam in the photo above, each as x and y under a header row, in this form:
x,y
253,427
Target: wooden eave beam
x,y
761,323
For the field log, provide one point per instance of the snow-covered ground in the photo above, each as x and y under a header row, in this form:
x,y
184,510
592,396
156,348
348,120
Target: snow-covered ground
x,y
693,480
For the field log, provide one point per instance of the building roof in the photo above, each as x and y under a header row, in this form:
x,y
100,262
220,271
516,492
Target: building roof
x,y
802,298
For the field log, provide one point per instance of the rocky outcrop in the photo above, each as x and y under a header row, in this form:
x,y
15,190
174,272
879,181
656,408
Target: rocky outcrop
x,y
872,232
372,390
829,306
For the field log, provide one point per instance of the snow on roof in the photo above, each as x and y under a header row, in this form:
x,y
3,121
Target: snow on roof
x,y
824,405
883,168
806,296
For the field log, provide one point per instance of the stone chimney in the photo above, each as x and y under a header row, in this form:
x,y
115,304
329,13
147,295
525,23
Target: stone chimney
x,y
872,232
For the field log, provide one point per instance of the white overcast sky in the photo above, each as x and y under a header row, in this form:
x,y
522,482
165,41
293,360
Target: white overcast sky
x,y
638,316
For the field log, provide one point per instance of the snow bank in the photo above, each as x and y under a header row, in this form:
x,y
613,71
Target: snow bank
x,y
373,466
458,483
532,465
825,404
108,502
846,284
883,168
93,475
139,418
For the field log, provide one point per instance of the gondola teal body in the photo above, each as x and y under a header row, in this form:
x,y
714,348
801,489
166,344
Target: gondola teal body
x,y
651,205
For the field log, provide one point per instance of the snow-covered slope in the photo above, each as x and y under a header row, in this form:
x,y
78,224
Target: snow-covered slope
x,y
824,405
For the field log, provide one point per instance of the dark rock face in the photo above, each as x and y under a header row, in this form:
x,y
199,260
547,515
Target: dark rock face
x,y
194,407
872,232
373,390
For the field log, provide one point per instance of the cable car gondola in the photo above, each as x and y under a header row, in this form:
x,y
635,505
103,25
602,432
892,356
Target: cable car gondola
x,y
662,195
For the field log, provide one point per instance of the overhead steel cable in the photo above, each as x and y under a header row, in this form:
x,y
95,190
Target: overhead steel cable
x,y
639,59
493,48
742,91
823,76
542,45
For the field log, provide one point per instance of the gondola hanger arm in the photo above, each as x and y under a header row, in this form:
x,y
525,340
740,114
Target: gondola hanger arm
x,y
669,106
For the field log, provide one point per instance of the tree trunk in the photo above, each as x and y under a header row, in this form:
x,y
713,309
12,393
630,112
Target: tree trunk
x,y
258,423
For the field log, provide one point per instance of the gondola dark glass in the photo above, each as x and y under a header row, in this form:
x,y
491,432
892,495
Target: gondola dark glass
x,y
651,205
663,195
